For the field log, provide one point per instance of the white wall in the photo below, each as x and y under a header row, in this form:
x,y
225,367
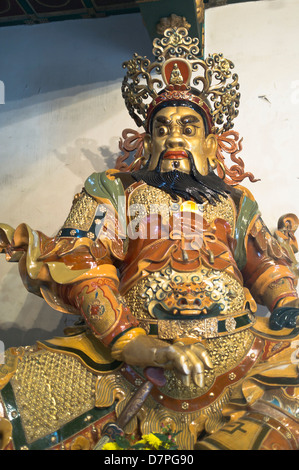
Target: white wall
x,y
63,116
261,38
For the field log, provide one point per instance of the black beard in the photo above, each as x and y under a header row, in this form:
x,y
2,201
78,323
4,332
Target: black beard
x,y
188,186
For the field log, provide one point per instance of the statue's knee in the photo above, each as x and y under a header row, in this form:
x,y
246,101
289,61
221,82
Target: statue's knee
x,y
254,431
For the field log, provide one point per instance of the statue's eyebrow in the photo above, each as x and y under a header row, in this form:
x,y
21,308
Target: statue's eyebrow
x,y
190,118
163,120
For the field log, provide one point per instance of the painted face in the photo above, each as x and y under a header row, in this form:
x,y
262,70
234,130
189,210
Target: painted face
x,y
175,131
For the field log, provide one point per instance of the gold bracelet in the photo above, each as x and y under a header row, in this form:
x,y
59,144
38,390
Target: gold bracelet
x,y
121,342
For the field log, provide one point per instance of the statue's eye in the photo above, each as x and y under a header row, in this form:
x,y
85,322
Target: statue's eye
x,y
162,130
189,130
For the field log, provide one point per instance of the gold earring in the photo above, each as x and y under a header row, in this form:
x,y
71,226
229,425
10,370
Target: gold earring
x,y
221,164
136,161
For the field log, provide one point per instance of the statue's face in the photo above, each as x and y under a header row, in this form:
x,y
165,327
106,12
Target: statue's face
x,y
175,131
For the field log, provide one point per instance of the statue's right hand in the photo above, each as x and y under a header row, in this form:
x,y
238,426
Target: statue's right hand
x,y
187,360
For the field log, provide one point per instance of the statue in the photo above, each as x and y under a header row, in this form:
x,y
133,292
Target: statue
x,y
164,261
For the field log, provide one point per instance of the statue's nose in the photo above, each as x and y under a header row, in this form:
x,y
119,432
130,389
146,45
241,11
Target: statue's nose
x,y
175,139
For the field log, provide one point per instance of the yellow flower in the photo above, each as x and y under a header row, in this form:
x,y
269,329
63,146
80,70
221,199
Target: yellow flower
x,y
111,446
141,441
153,440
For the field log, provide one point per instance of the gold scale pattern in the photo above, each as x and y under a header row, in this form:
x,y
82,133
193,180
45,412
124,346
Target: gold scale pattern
x,y
82,212
51,389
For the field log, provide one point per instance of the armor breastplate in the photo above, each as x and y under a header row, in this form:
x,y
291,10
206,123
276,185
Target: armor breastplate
x,y
170,298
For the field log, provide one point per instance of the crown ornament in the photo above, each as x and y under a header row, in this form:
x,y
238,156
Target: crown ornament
x,y
179,73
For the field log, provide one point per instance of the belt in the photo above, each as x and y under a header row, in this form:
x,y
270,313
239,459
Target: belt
x,y
207,328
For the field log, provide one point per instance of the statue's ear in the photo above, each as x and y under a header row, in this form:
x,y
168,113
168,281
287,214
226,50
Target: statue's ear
x,y
147,146
211,144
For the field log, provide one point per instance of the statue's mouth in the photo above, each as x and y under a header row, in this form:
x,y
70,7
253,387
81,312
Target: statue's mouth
x,y
175,155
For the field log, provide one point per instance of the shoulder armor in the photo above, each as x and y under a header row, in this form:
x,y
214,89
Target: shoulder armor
x,y
247,211
99,188
104,187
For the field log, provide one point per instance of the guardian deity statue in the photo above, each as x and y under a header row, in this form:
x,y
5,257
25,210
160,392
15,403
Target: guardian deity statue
x,y
164,261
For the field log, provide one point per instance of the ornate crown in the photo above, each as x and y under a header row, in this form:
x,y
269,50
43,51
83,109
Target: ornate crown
x,y
177,62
